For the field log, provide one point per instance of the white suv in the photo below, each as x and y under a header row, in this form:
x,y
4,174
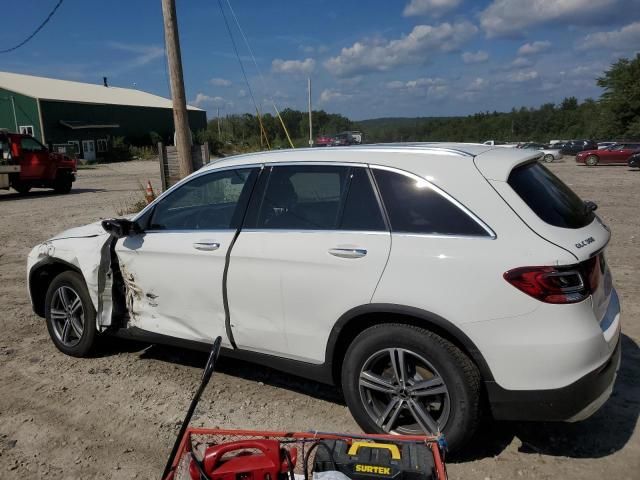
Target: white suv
x,y
423,279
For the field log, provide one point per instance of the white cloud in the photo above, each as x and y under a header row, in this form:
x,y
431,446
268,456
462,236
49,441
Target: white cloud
x,y
329,95
429,7
477,57
142,55
432,87
627,38
534,48
522,76
507,17
220,82
242,93
305,66
477,85
521,62
416,47
203,100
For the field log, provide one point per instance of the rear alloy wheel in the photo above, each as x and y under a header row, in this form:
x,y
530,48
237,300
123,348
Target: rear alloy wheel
x,y
71,317
402,379
548,158
591,160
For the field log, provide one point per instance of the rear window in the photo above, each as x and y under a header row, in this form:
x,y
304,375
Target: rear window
x,y
549,197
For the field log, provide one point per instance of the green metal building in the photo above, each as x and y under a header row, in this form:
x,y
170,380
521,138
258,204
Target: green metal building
x,y
84,118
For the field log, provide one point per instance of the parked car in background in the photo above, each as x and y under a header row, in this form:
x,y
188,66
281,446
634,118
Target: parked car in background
x,y
25,163
549,153
634,160
323,141
572,147
618,153
342,140
378,269
602,145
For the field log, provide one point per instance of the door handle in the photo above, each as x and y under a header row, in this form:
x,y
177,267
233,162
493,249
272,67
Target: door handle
x,y
206,246
348,252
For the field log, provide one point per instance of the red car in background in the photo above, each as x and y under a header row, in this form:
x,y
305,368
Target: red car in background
x,y
323,141
618,153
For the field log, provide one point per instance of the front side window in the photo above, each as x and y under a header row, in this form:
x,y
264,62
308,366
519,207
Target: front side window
x,y
29,144
318,197
414,206
215,201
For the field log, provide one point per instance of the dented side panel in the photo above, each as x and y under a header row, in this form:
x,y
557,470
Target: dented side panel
x,y
172,287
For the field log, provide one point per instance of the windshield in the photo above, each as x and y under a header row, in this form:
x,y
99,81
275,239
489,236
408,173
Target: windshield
x,y
552,200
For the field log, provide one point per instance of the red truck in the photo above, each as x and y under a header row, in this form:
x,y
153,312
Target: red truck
x,y
25,163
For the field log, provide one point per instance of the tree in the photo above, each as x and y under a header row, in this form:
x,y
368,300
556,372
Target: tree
x,y
621,98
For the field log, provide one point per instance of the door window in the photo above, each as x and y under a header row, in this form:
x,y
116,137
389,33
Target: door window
x,y
361,210
414,206
215,201
29,144
317,197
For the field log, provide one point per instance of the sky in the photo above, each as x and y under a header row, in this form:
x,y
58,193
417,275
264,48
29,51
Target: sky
x,y
366,59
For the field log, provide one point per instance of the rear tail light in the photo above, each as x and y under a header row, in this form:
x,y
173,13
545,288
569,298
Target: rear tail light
x,y
551,284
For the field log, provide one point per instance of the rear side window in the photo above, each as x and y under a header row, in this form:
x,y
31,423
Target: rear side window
x,y
414,207
316,197
550,199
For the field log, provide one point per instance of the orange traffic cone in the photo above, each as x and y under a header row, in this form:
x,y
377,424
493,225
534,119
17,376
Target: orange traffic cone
x,y
149,195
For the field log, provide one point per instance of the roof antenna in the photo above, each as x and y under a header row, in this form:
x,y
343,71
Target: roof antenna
x,y
104,80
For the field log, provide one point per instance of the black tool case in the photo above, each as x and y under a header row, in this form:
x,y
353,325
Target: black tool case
x,y
376,461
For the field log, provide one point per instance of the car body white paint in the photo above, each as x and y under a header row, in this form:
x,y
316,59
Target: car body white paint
x,y
286,292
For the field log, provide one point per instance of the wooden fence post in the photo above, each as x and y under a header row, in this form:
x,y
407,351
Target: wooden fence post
x,y
162,159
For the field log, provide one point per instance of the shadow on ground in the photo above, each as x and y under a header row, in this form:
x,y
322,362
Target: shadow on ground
x,y
606,432
45,193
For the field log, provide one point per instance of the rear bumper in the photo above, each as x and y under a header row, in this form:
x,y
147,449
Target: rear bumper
x,y
571,403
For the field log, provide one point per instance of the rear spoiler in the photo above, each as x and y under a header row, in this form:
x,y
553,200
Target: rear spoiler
x,y
497,163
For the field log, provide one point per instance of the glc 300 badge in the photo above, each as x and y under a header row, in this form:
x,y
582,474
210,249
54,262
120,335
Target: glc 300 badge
x,y
585,242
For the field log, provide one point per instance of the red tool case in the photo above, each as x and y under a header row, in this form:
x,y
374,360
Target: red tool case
x,y
201,439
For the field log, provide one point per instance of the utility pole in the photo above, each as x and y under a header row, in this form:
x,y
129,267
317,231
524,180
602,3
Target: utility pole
x,y
310,121
218,116
180,118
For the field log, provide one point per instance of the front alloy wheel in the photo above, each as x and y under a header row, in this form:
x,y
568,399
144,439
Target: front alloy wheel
x,y
548,158
70,314
404,393
67,316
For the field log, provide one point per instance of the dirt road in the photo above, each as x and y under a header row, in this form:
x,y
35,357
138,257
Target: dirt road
x,y
115,415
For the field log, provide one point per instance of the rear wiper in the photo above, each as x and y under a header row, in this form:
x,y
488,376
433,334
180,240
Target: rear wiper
x,y
590,206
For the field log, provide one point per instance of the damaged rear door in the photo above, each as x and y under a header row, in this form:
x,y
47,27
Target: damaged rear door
x,y
173,271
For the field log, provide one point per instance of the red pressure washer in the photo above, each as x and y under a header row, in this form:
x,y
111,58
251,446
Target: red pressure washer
x,y
259,455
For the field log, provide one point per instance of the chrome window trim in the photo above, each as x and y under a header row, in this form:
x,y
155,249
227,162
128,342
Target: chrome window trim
x,y
192,230
298,230
312,163
446,196
197,174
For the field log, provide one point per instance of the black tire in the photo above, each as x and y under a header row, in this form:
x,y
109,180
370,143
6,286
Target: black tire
x,y
452,369
63,184
58,315
548,158
21,188
591,161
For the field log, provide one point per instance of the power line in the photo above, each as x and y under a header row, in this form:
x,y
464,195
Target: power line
x,y
244,74
40,27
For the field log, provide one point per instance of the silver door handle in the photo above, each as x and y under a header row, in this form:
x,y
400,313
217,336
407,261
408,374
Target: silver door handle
x,y
348,252
206,246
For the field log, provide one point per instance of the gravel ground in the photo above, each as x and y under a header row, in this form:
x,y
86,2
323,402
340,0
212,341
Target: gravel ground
x,y
116,415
